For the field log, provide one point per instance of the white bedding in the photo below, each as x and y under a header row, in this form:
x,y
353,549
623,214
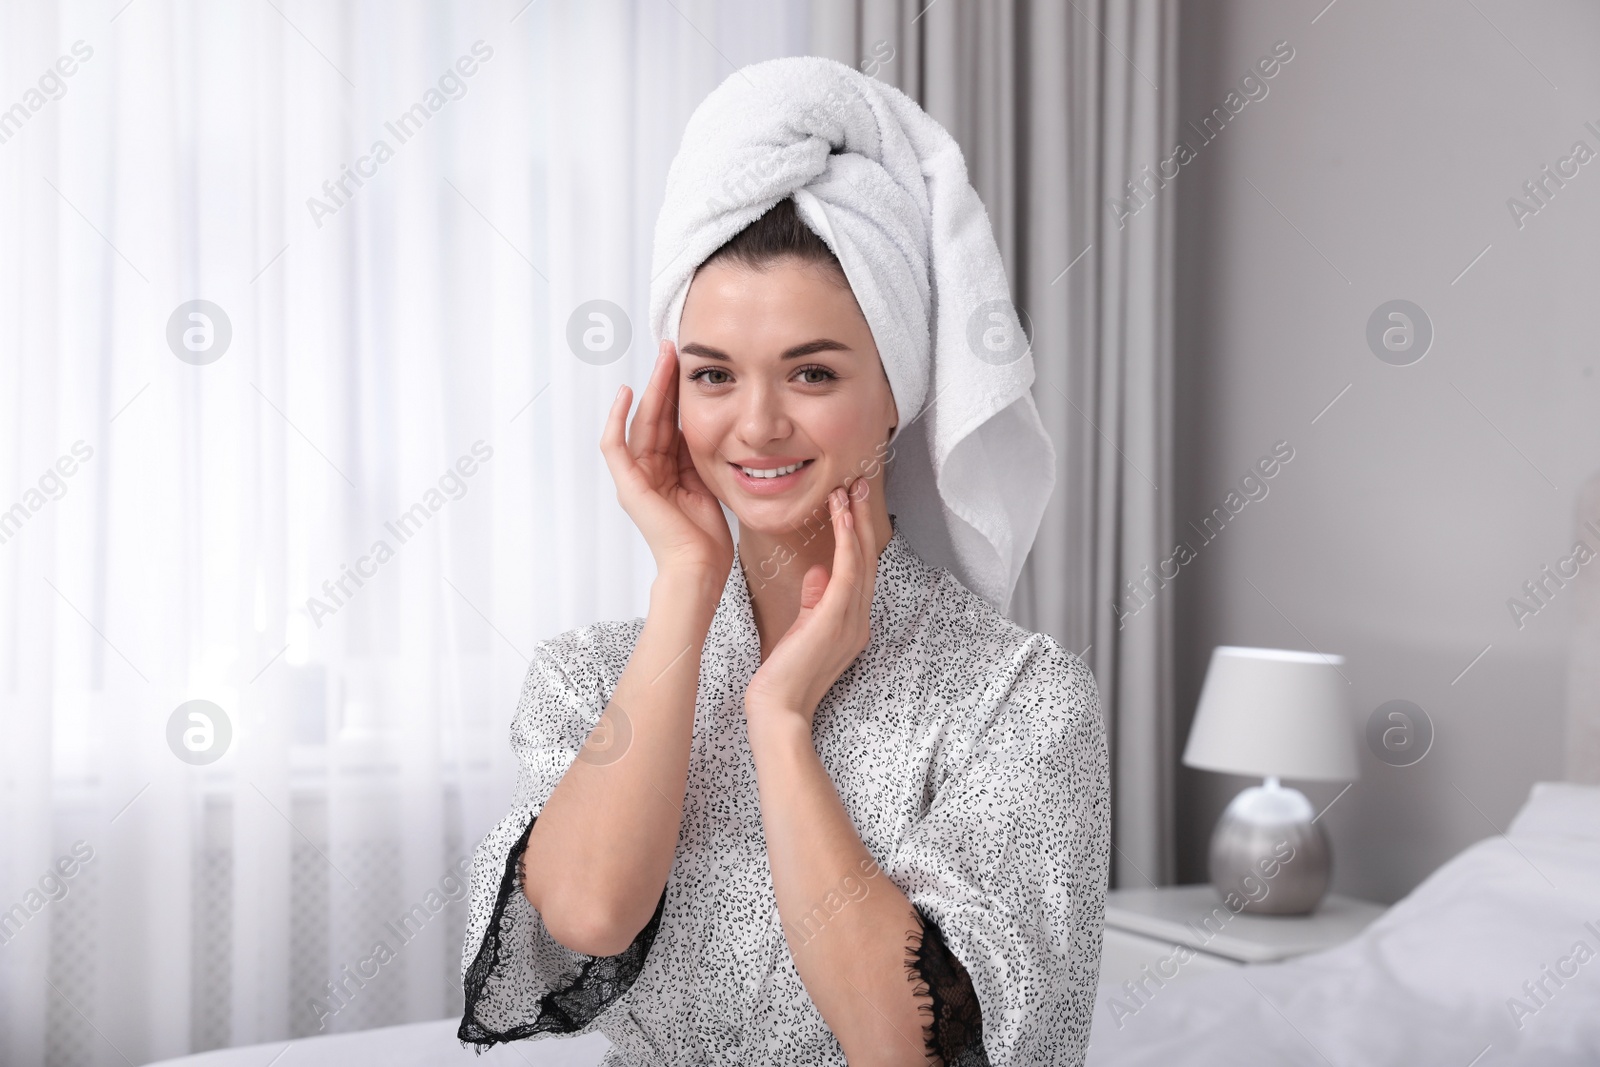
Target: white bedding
x,y
1432,981
429,1044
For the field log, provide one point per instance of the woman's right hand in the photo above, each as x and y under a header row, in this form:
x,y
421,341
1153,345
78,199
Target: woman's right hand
x,y
657,484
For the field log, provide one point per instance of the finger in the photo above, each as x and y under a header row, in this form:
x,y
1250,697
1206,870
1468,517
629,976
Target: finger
x,y
865,522
611,434
813,586
663,404
860,517
642,434
671,384
612,445
864,516
858,521
688,476
846,549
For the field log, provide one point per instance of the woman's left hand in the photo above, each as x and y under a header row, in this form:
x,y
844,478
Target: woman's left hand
x,y
833,626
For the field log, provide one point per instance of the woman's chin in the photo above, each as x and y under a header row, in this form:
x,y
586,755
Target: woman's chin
x,y
778,518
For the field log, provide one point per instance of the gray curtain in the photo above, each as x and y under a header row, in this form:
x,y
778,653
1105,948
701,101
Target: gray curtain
x,y
1058,105
1583,664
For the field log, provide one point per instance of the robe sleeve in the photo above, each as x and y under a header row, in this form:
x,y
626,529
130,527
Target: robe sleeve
x,y
518,981
1008,869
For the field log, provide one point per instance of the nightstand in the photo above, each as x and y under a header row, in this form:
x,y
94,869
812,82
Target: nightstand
x,y
1145,927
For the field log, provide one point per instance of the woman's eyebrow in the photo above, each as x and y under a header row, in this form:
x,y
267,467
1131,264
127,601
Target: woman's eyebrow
x,y
821,344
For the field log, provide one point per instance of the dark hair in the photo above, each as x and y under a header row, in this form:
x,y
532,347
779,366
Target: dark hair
x,y
778,234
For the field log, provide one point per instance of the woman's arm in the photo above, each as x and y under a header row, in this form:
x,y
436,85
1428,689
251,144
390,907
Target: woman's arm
x,y
848,926
600,852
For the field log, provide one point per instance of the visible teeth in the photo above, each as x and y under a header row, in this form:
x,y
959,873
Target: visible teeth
x,y
778,472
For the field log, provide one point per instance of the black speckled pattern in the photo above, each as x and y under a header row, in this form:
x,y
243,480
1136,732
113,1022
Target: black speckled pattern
x,y
969,754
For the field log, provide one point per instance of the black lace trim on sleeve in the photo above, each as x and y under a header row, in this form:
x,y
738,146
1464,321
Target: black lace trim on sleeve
x,y
953,1035
600,980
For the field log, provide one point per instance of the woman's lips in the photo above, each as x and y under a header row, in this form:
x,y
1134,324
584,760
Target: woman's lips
x,y
769,486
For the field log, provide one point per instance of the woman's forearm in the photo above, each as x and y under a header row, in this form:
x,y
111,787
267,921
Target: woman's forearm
x,y
847,924
599,855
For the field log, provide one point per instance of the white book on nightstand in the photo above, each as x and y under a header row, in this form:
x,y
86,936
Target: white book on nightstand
x,y
1151,927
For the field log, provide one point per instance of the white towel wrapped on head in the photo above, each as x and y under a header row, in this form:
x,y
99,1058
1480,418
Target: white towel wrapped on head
x,y
886,187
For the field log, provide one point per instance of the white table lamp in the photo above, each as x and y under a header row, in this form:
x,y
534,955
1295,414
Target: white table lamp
x,y
1277,714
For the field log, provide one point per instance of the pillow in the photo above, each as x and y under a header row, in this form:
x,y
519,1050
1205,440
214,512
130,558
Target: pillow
x,y
1559,809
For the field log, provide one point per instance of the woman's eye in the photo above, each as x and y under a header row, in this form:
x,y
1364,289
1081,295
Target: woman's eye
x,y
826,375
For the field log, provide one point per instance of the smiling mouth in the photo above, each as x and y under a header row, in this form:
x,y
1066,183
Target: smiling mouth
x,y
768,474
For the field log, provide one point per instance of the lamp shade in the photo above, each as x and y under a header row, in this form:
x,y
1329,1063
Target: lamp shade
x,y
1271,712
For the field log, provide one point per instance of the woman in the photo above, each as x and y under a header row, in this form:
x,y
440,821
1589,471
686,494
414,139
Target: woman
x,y
824,803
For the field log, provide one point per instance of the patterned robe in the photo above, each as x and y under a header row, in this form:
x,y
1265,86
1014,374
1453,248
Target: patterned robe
x,y
971,758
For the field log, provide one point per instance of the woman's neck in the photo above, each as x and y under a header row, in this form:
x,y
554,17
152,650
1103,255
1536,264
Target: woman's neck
x,y
775,566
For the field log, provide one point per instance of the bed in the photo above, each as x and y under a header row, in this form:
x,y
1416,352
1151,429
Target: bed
x,y
1493,960
427,1044
1439,978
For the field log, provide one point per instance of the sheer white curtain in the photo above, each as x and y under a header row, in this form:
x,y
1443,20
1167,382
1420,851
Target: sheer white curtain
x,y
339,501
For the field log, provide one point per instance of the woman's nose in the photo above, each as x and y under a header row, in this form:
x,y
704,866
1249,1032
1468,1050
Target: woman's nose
x,y
763,417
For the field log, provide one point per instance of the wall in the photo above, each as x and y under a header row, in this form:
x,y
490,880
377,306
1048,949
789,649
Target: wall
x,y
1379,166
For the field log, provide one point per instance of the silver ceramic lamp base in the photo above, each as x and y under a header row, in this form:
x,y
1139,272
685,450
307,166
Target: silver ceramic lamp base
x,y
1267,853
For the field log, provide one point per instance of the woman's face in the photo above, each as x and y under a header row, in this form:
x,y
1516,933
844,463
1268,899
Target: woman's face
x,y
776,367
